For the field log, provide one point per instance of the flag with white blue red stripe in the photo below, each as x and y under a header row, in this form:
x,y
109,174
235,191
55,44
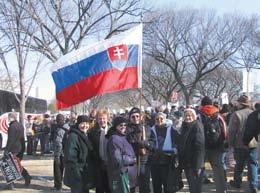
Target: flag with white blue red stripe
x,y
107,66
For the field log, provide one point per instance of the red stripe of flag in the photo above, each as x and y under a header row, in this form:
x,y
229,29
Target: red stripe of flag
x,y
101,83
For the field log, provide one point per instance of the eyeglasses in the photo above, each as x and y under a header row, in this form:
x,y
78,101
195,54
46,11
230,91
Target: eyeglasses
x,y
134,116
122,125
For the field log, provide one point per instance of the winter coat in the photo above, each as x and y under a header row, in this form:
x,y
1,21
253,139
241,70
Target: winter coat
x,y
210,110
15,142
121,154
237,127
158,156
252,128
135,137
59,138
191,146
78,160
94,137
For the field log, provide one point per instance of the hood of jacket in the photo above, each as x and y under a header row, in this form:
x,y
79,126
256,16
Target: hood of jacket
x,y
209,110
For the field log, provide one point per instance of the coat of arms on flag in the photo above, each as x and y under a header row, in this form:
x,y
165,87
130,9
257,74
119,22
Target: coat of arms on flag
x,y
118,56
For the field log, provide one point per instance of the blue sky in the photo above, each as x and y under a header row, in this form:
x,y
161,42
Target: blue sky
x,y
243,7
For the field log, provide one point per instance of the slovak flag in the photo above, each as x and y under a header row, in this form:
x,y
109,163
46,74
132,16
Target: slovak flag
x,y
107,66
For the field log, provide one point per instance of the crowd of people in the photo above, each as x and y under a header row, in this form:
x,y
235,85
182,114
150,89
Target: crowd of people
x,y
120,153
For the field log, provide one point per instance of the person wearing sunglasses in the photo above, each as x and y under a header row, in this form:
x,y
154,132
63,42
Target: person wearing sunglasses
x,y
137,136
121,157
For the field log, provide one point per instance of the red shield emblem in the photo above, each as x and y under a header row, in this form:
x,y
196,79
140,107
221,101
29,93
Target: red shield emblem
x,y
118,56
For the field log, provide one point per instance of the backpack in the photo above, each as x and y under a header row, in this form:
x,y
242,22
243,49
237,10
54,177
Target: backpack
x,y
213,129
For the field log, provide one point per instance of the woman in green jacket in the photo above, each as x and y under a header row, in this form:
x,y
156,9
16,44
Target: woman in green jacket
x,y
77,157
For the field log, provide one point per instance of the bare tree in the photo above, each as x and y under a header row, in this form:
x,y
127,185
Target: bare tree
x,y
5,83
67,25
248,55
221,80
128,98
13,22
158,81
192,44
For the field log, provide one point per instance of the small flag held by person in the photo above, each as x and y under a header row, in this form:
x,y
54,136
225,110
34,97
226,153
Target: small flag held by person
x,y
107,66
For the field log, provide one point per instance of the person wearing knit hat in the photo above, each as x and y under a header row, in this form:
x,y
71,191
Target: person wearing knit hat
x,y
134,110
121,157
79,172
206,101
119,124
191,149
83,123
138,136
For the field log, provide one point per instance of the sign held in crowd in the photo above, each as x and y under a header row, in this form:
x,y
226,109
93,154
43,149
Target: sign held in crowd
x,y
11,168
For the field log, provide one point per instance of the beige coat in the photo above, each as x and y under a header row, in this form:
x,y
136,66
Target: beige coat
x,y
236,129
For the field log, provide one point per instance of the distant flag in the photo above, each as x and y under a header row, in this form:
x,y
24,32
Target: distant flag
x,y
107,66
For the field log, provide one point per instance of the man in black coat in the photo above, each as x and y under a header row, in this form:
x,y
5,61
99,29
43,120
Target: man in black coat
x,y
16,145
252,128
137,136
99,141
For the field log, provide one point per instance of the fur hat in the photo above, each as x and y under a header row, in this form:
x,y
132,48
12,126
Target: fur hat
x,y
206,101
244,100
118,120
134,110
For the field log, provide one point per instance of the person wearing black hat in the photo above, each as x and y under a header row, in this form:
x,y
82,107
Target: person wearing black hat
x,y
214,125
243,154
78,162
121,156
137,136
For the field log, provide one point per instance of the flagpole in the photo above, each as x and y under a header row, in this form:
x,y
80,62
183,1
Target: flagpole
x,y
140,93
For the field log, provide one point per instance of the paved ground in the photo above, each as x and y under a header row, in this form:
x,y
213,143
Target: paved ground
x,y
40,167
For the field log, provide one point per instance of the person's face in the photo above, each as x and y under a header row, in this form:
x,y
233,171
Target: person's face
x,y
159,120
121,128
135,118
84,127
189,117
102,120
73,116
93,113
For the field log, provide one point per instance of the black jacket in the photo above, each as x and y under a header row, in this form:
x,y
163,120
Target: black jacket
x,y
252,128
191,146
78,160
15,141
135,137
